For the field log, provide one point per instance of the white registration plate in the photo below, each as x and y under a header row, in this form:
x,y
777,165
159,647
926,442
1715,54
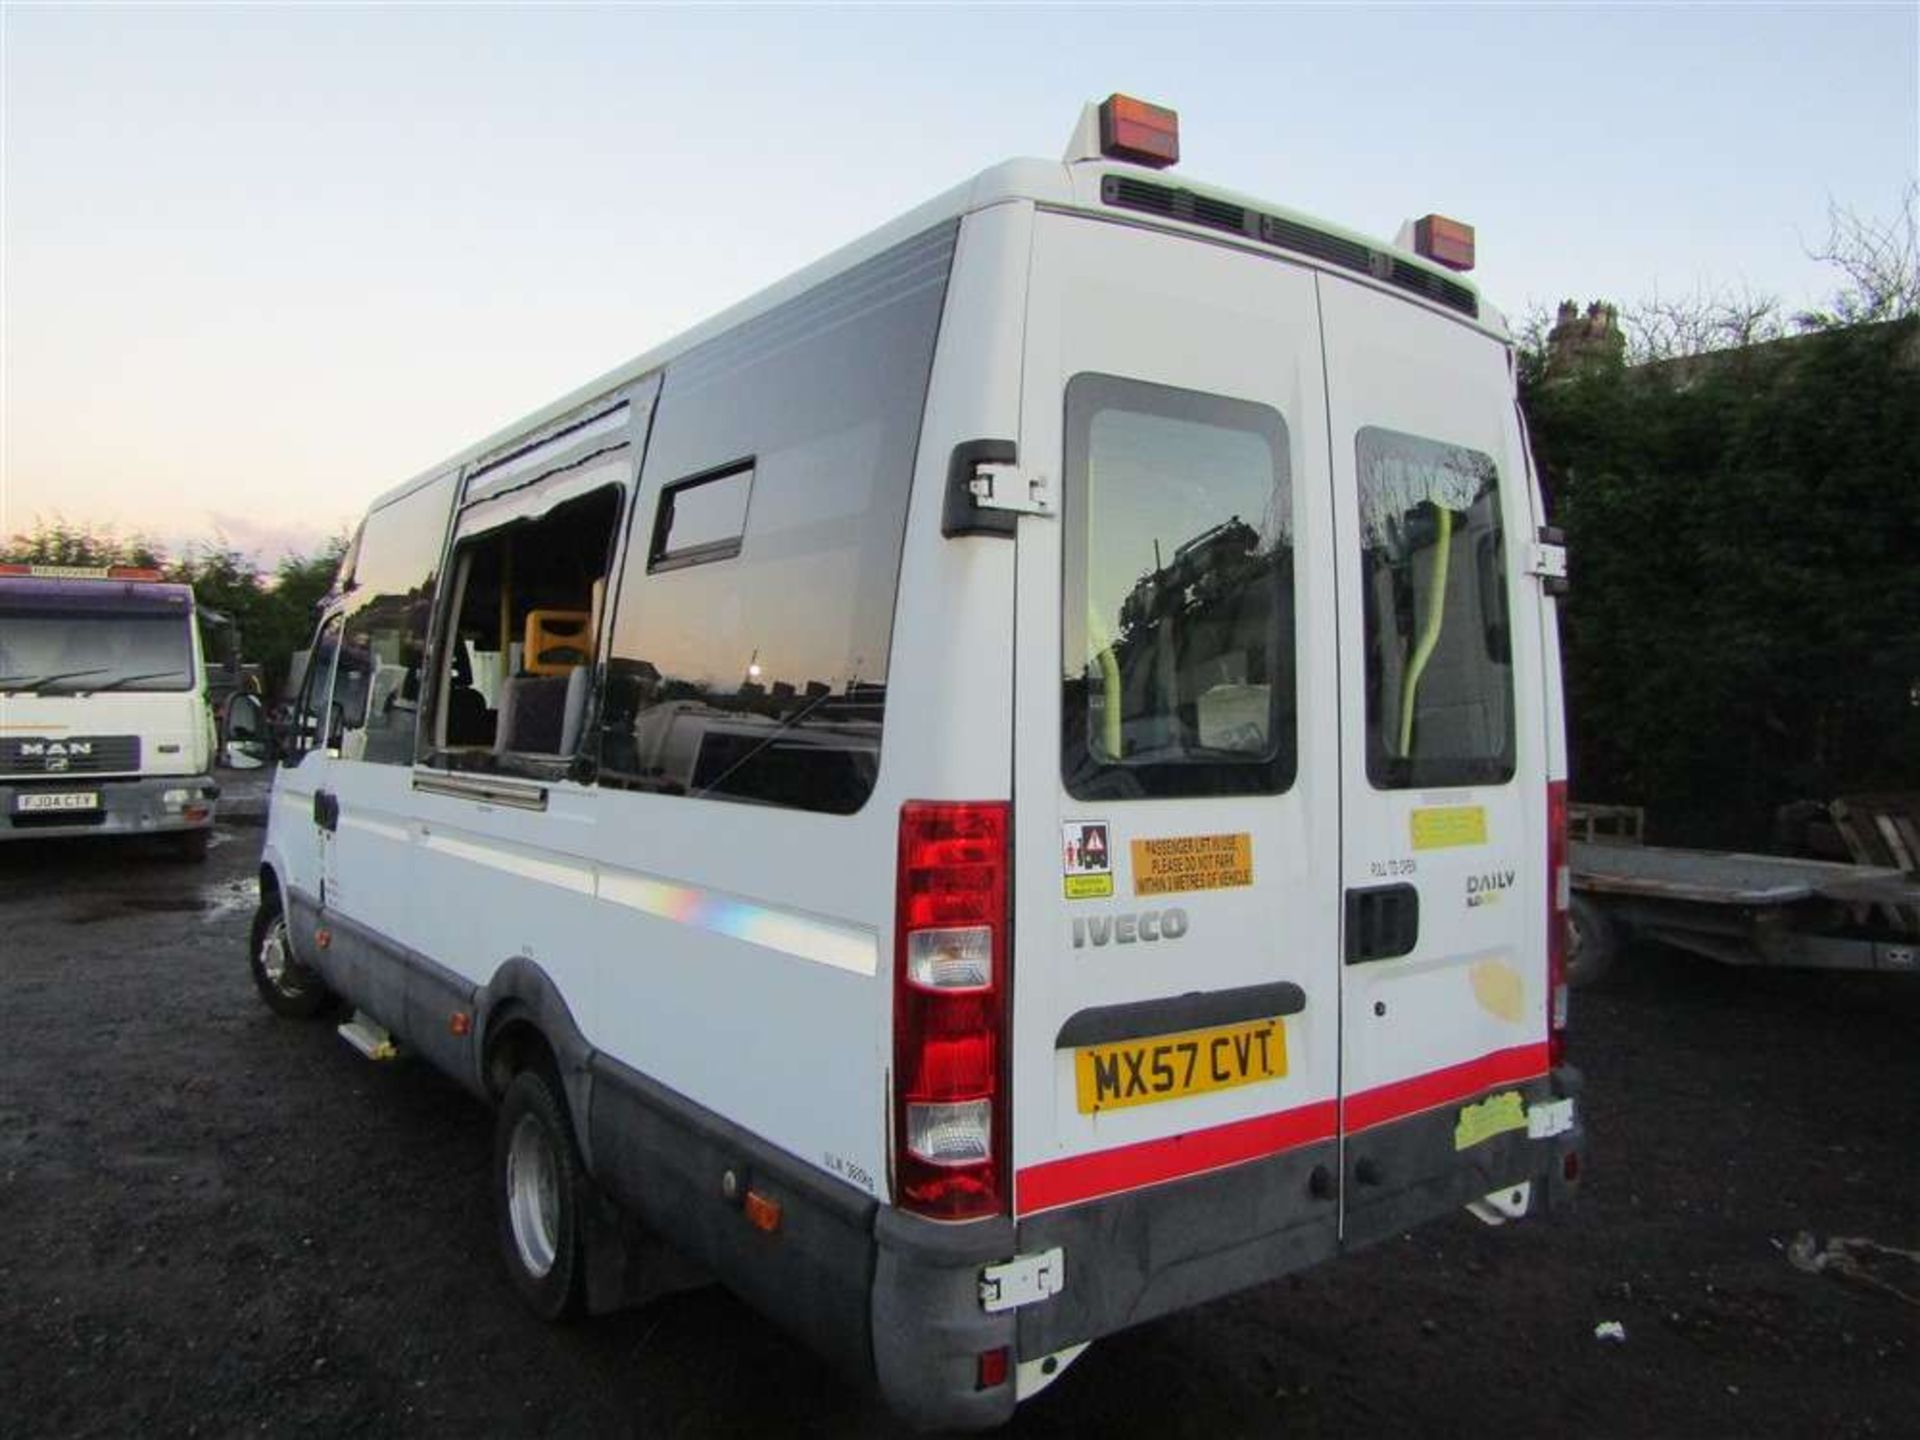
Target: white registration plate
x,y
41,802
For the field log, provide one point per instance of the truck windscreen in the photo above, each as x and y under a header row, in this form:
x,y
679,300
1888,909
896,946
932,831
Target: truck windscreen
x,y
64,653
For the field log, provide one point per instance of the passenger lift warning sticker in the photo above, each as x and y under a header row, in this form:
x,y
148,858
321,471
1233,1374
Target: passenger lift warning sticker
x,y
1088,858
1192,862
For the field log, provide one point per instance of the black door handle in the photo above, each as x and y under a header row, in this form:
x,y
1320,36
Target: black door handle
x,y
326,810
1383,921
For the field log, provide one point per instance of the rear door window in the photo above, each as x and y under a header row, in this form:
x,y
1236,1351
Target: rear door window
x,y
1434,591
1179,610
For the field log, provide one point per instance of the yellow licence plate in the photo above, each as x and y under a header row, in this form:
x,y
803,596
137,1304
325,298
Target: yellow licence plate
x,y
1166,1067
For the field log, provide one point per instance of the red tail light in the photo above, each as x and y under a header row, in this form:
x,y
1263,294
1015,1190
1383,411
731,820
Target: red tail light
x,y
949,1009
1559,900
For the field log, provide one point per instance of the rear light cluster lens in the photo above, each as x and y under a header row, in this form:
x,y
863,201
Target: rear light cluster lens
x,y
1559,902
949,1017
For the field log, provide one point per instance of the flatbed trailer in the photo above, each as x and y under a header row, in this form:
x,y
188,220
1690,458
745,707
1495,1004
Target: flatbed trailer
x,y
1740,909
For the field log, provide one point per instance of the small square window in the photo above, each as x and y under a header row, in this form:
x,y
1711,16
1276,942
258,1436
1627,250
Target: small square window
x,y
702,519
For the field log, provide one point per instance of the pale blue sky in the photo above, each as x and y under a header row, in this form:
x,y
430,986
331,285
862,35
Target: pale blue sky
x,y
262,263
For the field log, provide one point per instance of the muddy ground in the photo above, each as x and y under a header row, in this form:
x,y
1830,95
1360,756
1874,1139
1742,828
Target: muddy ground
x,y
214,1222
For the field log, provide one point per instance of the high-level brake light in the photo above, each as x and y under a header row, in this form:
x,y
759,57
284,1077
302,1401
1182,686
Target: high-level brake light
x,y
949,1018
1144,134
1443,241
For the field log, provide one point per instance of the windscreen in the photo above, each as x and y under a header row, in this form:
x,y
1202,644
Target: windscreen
x,y
54,653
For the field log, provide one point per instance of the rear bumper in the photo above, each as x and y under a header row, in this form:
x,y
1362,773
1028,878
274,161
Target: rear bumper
x,y
1145,1253
147,805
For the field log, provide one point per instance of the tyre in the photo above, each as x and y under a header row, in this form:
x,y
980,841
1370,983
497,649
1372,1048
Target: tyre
x,y
289,988
539,1187
1593,943
191,845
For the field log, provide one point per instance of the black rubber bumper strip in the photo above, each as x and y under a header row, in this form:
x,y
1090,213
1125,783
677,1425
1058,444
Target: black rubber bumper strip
x,y
1199,1010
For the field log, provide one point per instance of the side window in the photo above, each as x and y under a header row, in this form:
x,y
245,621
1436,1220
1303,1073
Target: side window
x,y
702,519
514,679
389,605
749,650
310,710
1179,612
1433,571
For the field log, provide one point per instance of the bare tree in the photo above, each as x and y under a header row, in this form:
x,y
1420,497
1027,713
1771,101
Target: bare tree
x,y
1880,263
1664,328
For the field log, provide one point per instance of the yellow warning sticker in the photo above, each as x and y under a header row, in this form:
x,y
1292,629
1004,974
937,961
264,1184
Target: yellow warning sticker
x,y
1446,826
1192,862
1089,887
1493,1116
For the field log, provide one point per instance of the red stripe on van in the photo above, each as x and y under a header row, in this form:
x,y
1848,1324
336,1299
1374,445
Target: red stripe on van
x,y
1106,1172
1443,1087
1132,1167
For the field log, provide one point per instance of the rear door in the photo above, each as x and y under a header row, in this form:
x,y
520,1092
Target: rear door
x,y
1176,802
1443,846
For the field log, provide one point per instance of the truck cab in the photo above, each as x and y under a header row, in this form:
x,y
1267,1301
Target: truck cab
x,y
104,723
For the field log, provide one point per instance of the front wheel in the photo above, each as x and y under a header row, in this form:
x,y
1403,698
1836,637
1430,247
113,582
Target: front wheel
x,y
538,1185
289,987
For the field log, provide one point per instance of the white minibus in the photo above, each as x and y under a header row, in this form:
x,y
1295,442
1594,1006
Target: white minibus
x,y
1010,785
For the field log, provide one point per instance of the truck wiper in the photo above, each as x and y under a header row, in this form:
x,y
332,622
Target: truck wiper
x,y
34,682
119,680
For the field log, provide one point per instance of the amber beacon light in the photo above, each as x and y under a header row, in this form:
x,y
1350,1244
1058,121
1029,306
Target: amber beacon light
x,y
1133,130
1449,242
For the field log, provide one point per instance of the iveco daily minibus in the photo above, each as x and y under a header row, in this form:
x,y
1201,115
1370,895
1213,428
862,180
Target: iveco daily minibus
x,y
1007,786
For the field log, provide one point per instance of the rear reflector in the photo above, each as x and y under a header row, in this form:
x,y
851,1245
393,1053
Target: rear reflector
x,y
992,1372
949,1017
1144,134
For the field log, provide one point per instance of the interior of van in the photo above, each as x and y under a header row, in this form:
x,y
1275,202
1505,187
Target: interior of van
x,y
517,677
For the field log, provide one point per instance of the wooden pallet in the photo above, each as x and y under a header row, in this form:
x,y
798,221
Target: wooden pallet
x,y
1884,830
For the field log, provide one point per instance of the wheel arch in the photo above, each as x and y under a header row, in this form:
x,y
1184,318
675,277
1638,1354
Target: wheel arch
x,y
523,1019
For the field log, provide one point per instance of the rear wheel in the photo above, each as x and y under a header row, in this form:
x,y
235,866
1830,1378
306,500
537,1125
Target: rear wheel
x,y
1593,943
289,987
191,845
538,1186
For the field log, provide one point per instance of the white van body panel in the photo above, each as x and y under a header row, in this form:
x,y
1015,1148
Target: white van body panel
x,y
711,973
1127,301
1473,992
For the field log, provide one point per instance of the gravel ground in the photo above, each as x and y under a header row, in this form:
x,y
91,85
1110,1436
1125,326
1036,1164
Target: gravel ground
x,y
220,1223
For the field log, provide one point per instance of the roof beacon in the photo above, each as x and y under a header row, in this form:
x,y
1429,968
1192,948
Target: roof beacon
x,y
1443,241
1123,128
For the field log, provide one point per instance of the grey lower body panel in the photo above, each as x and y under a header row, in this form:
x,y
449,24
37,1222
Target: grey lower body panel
x,y
1144,1253
126,806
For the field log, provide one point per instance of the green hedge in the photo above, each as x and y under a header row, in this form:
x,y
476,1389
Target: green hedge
x,y
1744,624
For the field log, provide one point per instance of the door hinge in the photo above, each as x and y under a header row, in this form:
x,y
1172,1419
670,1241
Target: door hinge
x,y
1023,1280
1547,558
987,491
1008,487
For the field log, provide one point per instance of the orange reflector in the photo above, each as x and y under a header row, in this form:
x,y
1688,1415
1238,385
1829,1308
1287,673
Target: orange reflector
x,y
992,1371
762,1213
460,1023
1450,242
1133,130
323,938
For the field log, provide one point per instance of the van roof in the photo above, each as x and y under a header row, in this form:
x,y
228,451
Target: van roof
x,y
1049,183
